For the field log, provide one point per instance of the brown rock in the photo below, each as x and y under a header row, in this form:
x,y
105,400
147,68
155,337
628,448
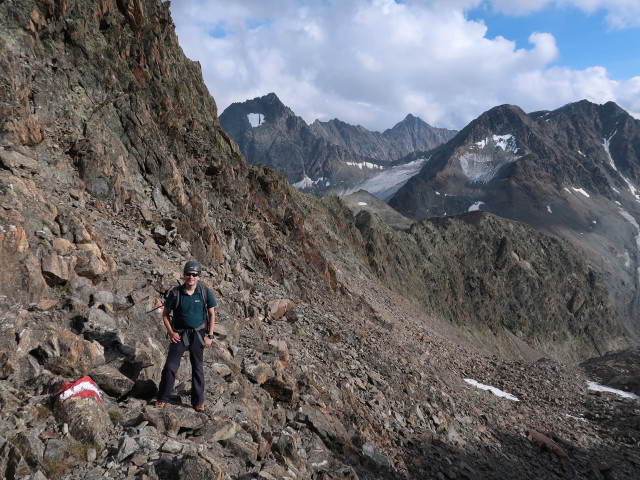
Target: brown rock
x,y
60,351
278,308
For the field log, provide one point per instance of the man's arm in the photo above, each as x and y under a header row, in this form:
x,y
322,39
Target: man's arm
x,y
166,319
212,323
212,320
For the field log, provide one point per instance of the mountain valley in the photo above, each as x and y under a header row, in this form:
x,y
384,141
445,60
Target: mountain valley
x,y
345,348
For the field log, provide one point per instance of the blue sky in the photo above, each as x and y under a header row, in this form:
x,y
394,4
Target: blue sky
x,y
584,39
372,62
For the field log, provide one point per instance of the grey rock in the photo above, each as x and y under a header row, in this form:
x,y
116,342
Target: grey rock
x,y
56,449
101,321
126,447
111,381
86,417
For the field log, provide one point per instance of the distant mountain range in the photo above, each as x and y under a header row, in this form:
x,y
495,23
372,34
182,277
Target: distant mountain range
x,y
324,157
573,173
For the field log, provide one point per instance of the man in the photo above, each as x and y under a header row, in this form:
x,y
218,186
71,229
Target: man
x,y
193,307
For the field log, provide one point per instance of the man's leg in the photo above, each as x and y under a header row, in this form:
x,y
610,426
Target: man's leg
x,y
171,366
196,355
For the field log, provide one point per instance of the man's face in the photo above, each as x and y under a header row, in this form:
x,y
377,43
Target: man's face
x,y
191,278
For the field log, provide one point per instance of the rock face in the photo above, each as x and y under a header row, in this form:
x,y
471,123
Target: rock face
x,y
324,157
329,361
573,173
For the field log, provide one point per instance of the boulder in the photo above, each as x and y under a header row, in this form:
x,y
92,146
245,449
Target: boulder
x,y
111,381
87,418
279,308
100,321
55,268
60,351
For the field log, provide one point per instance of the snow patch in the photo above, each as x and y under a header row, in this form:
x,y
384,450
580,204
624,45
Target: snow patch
x,y
475,207
601,388
575,418
306,182
606,142
632,189
255,119
387,182
633,222
580,190
549,209
362,165
493,390
505,142
362,204
482,168
483,163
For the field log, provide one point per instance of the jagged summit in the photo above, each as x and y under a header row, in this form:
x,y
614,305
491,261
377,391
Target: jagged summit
x,y
324,157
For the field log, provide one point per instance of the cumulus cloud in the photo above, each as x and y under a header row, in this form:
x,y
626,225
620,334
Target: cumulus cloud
x,y
371,62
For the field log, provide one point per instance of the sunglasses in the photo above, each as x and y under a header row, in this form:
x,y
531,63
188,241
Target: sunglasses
x,y
191,274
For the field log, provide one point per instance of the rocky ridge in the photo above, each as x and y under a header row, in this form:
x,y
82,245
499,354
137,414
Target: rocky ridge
x,y
319,369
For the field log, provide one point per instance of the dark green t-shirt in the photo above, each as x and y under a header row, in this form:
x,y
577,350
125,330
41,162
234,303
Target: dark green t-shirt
x,y
191,308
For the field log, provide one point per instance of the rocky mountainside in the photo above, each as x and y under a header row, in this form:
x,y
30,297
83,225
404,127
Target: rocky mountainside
x,y
572,173
342,346
324,157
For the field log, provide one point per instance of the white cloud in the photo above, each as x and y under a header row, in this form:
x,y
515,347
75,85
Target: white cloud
x,y
371,62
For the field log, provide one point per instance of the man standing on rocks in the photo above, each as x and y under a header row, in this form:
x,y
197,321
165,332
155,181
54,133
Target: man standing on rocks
x,y
193,307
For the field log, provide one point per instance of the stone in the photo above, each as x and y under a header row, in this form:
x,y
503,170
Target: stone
x,y
216,430
278,308
221,369
92,455
108,300
30,446
111,381
127,447
55,450
161,418
257,371
12,160
201,467
60,351
100,321
86,417
171,446
55,269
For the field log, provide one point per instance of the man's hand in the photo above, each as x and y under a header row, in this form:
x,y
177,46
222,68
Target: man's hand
x,y
174,337
207,342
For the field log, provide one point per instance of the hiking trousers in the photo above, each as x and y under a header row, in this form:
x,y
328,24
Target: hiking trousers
x,y
171,366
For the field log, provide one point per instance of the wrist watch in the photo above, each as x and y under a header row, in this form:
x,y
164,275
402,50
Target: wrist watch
x,y
210,335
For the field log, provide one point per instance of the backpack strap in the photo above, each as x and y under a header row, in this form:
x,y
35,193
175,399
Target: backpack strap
x,y
175,292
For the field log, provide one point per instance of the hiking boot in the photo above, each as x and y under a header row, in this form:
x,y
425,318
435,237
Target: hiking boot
x,y
160,404
198,408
